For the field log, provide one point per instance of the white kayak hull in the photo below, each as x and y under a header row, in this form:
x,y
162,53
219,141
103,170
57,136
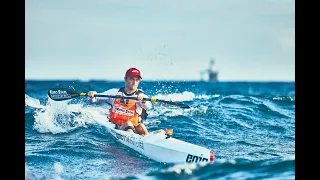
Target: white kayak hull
x,y
158,147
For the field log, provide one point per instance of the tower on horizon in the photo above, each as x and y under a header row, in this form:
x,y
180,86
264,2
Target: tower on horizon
x,y
212,71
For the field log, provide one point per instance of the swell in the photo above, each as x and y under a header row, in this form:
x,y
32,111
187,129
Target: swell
x,y
236,169
250,127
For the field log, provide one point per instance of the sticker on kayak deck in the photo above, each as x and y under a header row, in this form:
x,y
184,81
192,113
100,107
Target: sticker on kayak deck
x,y
193,158
129,139
119,110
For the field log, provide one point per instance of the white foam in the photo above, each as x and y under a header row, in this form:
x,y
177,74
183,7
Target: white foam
x,y
25,170
185,96
291,157
61,117
32,102
186,168
58,170
231,161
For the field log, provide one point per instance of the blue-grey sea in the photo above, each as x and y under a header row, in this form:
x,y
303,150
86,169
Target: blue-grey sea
x,y
249,125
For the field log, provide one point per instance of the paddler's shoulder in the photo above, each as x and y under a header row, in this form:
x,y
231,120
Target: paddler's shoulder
x,y
139,91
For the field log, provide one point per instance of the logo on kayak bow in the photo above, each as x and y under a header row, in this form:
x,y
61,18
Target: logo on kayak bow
x,y
193,158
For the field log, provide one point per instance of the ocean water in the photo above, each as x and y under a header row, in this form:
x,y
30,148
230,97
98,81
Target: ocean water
x,y
249,125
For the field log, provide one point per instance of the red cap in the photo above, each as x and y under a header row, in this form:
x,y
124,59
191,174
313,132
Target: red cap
x,y
133,72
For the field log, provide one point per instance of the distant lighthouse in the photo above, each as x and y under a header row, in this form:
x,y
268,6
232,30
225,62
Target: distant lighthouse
x,y
212,71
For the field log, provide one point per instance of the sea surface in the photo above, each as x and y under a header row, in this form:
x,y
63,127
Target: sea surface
x,y
249,125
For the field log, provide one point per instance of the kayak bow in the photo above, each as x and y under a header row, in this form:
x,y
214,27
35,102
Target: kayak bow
x,y
161,147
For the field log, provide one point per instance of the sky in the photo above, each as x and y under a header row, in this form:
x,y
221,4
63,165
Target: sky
x,y
249,40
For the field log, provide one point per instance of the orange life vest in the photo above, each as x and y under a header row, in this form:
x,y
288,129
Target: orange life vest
x,y
124,110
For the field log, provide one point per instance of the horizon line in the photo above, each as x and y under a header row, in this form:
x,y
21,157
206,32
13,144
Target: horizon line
x,y
155,80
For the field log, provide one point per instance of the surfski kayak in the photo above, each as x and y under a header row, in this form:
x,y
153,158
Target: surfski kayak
x,y
162,148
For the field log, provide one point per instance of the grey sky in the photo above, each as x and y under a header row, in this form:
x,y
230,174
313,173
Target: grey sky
x,y
250,40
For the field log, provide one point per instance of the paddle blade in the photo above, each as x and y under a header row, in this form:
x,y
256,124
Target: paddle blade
x,y
61,94
184,106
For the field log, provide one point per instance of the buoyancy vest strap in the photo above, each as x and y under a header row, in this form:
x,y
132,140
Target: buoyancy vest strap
x,y
144,113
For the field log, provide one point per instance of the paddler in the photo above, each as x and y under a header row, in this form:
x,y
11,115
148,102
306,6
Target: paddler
x,y
127,114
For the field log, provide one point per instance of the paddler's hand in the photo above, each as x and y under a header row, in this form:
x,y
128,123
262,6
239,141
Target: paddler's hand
x,y
140,96
91,94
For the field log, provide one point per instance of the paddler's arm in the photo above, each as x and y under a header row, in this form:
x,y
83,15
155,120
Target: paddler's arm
x,y
144,104
108,100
